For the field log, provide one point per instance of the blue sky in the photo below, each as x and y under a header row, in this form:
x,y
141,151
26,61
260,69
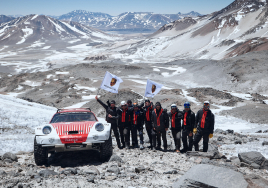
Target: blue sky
x,y
112,7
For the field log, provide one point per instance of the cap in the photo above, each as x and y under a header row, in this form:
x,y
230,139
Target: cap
x,y
173,106
123,103
187,105
112,102
206,102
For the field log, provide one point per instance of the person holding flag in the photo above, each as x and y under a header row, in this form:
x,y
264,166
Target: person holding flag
x,y
204,126
160,126
111,117
187,127
175,119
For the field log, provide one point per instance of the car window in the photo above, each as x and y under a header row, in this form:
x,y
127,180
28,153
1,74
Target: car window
x,y
73,117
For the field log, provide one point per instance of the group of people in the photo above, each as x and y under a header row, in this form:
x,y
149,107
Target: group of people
x,y
129,119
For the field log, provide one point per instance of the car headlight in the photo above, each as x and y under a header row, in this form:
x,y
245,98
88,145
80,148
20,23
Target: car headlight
x,y
99,127
47,130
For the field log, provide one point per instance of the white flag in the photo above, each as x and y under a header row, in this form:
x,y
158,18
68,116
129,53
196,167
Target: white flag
x,y
111,82
152,88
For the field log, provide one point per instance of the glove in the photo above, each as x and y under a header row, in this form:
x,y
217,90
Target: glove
x,y
195,131
210,135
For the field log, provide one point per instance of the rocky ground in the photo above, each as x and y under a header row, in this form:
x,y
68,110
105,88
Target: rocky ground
x,y
134,167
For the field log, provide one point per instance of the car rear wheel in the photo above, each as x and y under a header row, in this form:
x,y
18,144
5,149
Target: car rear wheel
x,y
40,154
106,150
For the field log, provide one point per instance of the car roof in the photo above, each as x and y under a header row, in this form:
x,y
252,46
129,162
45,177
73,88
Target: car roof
x,y
73,110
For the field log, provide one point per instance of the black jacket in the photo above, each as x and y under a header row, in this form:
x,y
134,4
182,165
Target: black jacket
x,y
127,116
111,111
190,121
140,119
178,118
209,122
164,120
148,113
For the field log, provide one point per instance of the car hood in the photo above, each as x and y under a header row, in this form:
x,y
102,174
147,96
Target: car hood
x,y
82,128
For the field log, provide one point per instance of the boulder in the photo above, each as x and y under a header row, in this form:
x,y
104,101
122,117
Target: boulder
x,y
139,169
238,142
229,131
116,158
259,131
47,173
265,143
256,181
2,173
69,171
10,156
210,176
114,170
252,157
219,131
91,170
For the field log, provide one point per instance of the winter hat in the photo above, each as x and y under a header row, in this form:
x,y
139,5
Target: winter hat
x,y
147,100
174,106
123,103
157,104
112,102
187,105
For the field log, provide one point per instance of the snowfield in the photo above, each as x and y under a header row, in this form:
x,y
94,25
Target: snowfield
x,y
18,119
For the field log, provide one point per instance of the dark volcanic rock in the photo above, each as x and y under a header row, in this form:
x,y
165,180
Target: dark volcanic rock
x,y
252,157
139,169
47,173
210,176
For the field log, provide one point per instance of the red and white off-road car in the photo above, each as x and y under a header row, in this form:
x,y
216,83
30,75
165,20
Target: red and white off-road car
x,y
72,130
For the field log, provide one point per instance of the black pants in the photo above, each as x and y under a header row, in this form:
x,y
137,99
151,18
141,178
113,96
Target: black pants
x,y
134,135
197,139
140,133
156,135
177,138
116,133
185,135
121,130
126,133
149,127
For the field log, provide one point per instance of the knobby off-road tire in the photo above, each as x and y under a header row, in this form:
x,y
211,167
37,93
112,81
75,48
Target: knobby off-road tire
x,y
106,150
40,154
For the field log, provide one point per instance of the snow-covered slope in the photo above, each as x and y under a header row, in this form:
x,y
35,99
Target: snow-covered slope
x,y
18,120
239,28
4,19
32,28
128,21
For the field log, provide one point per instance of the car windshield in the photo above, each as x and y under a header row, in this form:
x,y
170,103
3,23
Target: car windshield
x,y
73,117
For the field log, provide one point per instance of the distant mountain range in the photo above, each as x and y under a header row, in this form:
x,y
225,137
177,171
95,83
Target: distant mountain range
x,y
39,29
125,22
128,21
239,28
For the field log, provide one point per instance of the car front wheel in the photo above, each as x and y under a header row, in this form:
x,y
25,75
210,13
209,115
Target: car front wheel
x,y
40,154
106,150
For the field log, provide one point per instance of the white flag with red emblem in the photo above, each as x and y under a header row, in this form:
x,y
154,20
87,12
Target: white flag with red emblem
x,y
152,88
111,82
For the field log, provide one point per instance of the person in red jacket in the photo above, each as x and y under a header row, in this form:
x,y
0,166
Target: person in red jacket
x,y
204,126
124,124
137,125
160,126
175,117
187,127
147,109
